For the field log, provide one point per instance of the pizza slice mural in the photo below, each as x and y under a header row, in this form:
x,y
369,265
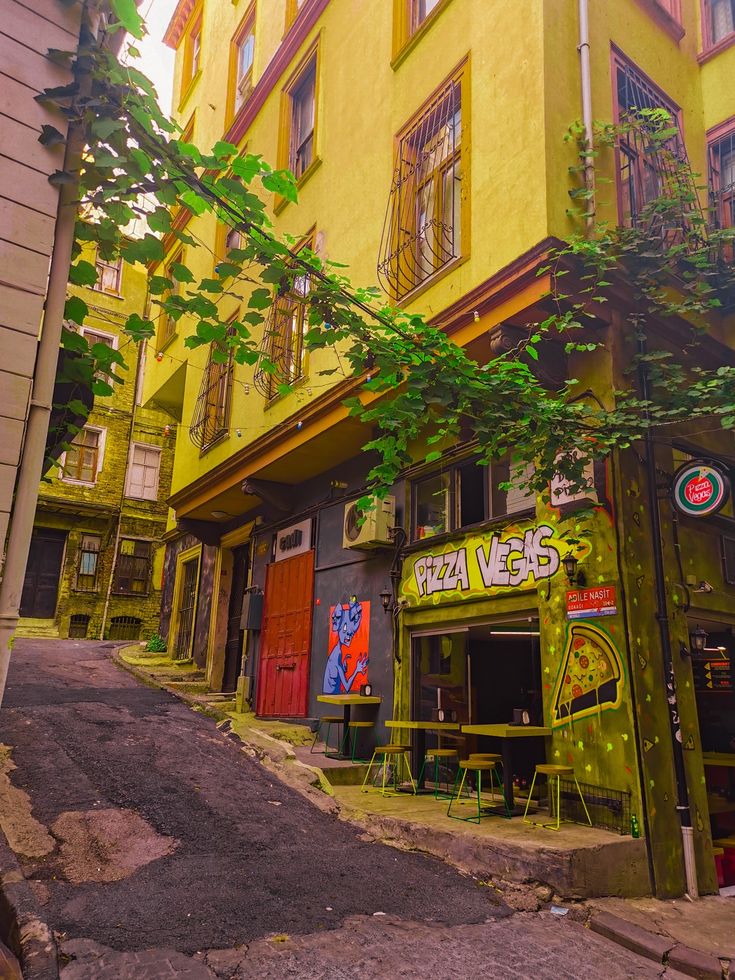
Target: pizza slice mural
x,y
591,676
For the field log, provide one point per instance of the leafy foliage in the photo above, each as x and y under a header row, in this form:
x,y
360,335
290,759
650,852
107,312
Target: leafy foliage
x,y
413,384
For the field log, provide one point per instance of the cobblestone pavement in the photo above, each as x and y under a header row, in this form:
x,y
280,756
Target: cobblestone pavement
x,y
158,849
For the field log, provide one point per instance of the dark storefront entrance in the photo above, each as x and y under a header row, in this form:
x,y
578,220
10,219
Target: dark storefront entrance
x,y
41,584
233,645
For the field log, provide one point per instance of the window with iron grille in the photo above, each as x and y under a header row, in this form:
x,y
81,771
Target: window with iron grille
x,y
124,628
167,324
722,180
109,275
132,568
211,416
422,232
78,626
88,562
302,97
82,459
652,170
719,21
145,464
283,358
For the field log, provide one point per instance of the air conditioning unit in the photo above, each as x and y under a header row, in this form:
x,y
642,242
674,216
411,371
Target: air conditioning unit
x,y
376,525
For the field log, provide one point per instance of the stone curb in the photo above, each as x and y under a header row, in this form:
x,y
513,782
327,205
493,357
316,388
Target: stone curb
x,y
21,920
691,962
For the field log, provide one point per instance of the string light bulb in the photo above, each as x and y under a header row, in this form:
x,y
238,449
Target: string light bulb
x,y
299,424
238,433
476,316
159,356
247,389
167,430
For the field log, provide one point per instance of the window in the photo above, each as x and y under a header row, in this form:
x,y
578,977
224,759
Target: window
x,y
87,562
466,494
78,626
83,459
124,628
167,323
420,10
410,19
96,337
719,21
212,409
293,9
301,97
423,226
283,347
241,65
109,275
644,167
192,54
722,180
145,463
132,567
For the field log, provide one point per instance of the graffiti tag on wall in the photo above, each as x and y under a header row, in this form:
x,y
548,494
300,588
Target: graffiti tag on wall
x,y
590,676
517,557
349,644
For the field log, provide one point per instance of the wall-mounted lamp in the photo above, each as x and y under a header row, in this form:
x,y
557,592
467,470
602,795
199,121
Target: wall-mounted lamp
x,y
697,643
386,600
574,575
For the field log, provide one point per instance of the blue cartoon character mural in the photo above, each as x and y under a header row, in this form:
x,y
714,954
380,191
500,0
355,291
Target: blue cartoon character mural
x,y
349,641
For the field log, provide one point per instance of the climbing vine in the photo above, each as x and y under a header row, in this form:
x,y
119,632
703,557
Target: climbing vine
x,y
413,384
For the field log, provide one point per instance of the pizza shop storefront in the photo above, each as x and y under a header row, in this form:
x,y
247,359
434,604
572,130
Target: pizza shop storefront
x,y
491,635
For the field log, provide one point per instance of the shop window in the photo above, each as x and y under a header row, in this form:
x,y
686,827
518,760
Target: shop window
x,y
88,562
132,568
124,628
423,225
719,21
145,464
82,461
722,180
78,626
109,275
467,494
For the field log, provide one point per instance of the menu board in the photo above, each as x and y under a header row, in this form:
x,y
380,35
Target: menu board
x,y
712,675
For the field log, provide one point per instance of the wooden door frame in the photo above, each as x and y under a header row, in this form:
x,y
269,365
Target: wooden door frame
x,y
62,566
181,559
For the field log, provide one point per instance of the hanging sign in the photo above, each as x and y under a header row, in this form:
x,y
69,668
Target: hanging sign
x,y
294,540
585,603
700,489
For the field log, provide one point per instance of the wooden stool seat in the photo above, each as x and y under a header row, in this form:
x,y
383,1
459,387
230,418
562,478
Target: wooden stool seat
x,y
478,765
441,753
545,769
725,842
487,756
718,851
553,779
331,719
327,721
362,724
386,751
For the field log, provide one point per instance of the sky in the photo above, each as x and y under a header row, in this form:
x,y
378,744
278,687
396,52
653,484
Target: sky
x,y
157,61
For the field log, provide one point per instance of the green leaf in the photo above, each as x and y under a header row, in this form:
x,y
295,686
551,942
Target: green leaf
x,y
75,309
127,13
281,182
260,299
83,273
181,273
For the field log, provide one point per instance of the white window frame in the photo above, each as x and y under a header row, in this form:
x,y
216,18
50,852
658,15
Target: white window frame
x,y
147,446
115,340
100,459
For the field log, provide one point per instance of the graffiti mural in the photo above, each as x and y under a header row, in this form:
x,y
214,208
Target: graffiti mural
x,y
590,677
349,644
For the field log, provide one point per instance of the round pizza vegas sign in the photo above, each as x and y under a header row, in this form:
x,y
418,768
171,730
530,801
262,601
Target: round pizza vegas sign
x,y
700,489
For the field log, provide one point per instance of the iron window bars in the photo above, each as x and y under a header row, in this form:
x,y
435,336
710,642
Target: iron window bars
x,y
187,609
282,357
650,168
421,231
212,409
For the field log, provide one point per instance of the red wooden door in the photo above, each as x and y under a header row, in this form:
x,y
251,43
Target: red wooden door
x,y
285,641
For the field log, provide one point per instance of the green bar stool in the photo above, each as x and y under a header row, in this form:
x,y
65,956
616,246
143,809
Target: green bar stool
x,y
554,773
357,725
386,752
436,755
478,766
327,720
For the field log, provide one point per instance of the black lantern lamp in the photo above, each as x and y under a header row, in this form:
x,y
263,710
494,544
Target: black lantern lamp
x,y
698,639
574,576
386,599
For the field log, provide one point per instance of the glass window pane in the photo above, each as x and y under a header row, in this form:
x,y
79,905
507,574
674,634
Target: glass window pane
x,y
432,506
471,483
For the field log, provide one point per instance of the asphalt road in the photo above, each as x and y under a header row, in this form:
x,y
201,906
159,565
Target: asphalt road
x,y
145,828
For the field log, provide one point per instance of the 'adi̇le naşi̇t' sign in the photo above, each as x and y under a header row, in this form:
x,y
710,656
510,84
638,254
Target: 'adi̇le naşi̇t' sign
x,y
514,558
700,489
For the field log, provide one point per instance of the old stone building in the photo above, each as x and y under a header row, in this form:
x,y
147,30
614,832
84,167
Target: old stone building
x,y
94,567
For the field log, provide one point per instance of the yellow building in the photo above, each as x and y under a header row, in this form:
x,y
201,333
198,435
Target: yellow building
x,y
95,563
427,141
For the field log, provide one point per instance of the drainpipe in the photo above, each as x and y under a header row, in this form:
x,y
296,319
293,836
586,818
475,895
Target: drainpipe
x,y
39,412
584,64
662,617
